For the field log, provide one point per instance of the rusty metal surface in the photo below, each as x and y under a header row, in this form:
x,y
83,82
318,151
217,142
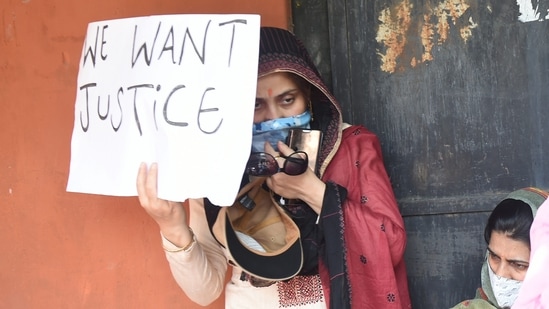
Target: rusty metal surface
x,y
456,90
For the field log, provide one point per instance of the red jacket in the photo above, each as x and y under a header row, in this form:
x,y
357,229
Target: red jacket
x,y
371,224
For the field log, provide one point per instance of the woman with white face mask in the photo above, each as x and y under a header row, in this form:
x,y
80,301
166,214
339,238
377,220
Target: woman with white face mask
x,y
507,234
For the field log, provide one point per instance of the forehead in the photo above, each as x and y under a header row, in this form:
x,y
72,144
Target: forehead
x,y
508,248
276,82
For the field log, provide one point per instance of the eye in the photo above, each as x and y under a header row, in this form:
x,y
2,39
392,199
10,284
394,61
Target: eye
x,y
494,257
258,104
289,99
520,266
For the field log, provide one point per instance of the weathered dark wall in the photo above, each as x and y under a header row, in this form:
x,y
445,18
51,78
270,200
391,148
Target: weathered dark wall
x,y
311,18
457,92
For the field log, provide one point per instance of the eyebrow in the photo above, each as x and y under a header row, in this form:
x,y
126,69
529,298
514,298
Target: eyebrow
x,y
512,261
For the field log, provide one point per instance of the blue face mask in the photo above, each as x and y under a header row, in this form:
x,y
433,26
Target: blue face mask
x,y
276,130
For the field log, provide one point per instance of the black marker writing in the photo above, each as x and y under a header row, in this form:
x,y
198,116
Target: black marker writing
x,y
91,52
136,115
173,123
120,91
143,47
172,44
104,110
188,34
205,110
147,49
85,127
232,22
103,117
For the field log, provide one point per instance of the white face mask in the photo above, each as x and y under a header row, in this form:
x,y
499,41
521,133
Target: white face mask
x,y
505,290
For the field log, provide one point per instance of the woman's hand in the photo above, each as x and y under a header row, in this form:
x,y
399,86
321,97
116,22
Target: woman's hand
x,y
171,217
306,187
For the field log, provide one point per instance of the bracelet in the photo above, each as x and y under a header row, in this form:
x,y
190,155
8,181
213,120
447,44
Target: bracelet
x,y
186,248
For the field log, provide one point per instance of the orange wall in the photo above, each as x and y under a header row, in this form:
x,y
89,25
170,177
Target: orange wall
x,y
59,249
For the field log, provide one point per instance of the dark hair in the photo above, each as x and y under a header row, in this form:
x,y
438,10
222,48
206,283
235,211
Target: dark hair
x,y
512,217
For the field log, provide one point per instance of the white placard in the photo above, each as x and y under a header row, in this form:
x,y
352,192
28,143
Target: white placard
x,y
174,89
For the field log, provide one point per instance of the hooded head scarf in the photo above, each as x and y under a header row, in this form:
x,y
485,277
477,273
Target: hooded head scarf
x,y
281,51
485,298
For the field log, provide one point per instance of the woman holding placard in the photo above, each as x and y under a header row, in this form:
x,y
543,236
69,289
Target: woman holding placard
x,y
315,225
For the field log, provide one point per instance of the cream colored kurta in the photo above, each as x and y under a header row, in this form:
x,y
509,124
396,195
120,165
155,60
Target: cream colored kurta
x,y
200,272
